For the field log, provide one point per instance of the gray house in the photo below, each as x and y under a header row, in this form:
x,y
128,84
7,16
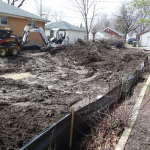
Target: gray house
x,y
72,31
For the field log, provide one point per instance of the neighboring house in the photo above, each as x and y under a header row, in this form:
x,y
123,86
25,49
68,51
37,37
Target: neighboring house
x,y
72,31
134,35
114,33
128,37
144,38
16,19
100,35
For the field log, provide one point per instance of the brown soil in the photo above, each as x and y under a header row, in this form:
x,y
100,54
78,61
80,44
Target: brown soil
x,y
30,105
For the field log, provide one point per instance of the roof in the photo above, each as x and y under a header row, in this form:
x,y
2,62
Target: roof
x,y
142,32
102,32
120,33
63,25
12,10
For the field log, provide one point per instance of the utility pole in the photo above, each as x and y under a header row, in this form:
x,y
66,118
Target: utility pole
x,y
41,8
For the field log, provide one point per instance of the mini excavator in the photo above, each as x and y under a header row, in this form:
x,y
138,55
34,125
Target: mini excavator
x,y
11,44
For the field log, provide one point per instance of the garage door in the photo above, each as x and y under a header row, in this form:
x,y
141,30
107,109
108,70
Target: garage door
x,y
148,42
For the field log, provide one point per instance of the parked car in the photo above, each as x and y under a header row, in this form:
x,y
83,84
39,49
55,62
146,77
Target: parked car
x,y
130,41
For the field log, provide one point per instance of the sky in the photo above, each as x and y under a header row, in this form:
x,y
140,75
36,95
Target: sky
x,y
64,6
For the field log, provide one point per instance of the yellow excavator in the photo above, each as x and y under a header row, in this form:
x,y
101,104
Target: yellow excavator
x,y
9,43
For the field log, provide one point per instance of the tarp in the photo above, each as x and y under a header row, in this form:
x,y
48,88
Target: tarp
x,y
58,136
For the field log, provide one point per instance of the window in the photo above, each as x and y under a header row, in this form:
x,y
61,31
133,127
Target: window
x,y
3,21
31,23
51,33
5,35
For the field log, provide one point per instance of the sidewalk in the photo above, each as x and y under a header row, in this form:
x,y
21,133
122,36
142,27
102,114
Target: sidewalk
x,y
144,48
139,137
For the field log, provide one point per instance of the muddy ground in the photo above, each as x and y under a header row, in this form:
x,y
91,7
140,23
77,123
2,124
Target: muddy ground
x,y
38,88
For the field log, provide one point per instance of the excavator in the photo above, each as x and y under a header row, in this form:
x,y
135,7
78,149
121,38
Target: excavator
x,y
11,44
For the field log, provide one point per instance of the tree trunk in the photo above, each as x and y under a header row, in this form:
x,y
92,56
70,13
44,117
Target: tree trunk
x,y
87,33
94,37
125,36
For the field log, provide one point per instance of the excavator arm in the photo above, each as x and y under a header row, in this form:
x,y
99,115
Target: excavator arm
x,y
40,30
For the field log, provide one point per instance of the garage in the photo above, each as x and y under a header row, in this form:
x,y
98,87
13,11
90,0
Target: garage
x,y
144,38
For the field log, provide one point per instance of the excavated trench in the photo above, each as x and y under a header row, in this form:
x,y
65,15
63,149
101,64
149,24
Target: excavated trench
x,y
37,89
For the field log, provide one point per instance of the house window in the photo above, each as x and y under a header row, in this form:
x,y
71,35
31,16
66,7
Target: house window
x,y
3,21
31,23
51,33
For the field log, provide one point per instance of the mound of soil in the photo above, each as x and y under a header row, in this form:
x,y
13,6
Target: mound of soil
x,y
73,77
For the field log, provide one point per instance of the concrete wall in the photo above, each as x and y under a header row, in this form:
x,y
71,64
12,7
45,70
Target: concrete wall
x,y
18,24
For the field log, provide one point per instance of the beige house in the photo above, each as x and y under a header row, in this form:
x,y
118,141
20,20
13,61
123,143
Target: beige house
x,y
16,19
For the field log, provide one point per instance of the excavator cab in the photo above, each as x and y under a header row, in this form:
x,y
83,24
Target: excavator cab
x,y
59,38
9,43
4,34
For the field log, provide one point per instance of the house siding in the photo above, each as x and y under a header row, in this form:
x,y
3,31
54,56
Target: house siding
x,y
18,24
144,39
99,35
73,35
113,34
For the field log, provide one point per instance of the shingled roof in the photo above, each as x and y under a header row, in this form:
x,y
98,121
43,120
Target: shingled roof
x,y
8,9
63,25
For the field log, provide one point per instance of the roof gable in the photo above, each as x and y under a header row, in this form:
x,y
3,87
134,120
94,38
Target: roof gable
x,y
12,10
63,25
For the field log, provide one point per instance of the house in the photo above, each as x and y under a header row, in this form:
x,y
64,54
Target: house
x,y
134,35
128,37
72,31
114,33
100,35
16,19
143,38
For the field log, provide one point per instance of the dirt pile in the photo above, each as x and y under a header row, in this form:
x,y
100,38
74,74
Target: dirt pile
x,y
31,104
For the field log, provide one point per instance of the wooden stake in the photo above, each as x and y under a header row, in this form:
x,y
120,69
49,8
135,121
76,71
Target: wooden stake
x,y
122,86
137,73
71,130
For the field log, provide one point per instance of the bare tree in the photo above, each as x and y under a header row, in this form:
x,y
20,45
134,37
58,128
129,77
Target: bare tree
x,y
104,22
48,13
127,19
58,16
13,2
95,28
88,9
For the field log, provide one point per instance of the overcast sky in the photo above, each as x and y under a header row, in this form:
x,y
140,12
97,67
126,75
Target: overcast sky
x,y
105,6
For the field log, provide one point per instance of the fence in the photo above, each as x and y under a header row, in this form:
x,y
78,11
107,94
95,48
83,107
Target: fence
x,y
58,135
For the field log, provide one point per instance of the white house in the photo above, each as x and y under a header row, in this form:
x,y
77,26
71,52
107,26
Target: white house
x,y
99,35
134,35
144,38
72,31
